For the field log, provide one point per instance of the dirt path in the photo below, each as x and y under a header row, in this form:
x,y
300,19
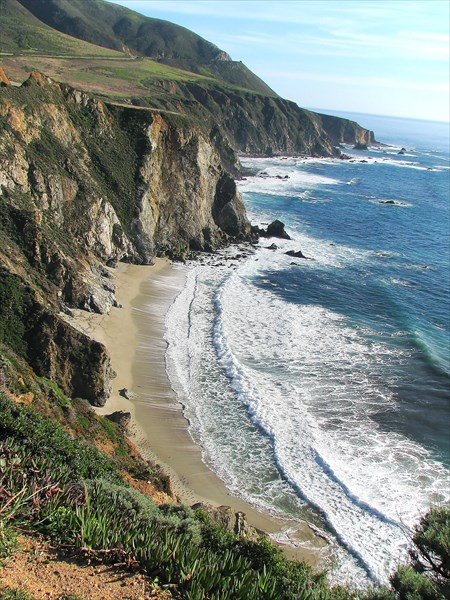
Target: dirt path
x,y
44,572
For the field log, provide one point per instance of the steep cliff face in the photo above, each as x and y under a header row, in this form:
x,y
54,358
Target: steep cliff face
x,y
252,123
345,131
255,123
84,185
179,187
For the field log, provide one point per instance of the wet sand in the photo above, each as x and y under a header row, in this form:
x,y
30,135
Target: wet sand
x,y
134,337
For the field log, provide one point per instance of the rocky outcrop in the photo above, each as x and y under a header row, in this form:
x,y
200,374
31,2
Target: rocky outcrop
x,y
224,517
121,418
345,131
80,365
4,81
186,200
275,229
82,186
252,123
32,329
296,254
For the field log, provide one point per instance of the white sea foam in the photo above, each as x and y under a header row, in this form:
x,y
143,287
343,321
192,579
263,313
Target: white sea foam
x,y
284,182
288,401
314,386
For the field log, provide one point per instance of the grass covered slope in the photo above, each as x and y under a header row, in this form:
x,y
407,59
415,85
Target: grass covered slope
x,y
120,29
23,33
160,65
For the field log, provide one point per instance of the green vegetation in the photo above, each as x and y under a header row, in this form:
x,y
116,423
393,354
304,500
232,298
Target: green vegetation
x,y
10,594
16,308
428,575
41,437
23,33
61,400
114,27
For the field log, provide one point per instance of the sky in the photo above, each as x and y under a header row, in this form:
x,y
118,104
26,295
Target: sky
x,y
381,57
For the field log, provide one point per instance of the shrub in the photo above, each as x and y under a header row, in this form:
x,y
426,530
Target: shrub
x,y
10,594
428,575
43,437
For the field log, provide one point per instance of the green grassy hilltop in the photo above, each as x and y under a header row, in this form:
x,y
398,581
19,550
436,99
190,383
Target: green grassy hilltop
x,y
123,56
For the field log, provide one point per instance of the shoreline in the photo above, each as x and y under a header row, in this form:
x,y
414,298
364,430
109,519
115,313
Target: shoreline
x,y
134,338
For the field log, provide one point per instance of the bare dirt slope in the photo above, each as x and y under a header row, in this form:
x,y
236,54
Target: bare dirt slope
x,y
45,572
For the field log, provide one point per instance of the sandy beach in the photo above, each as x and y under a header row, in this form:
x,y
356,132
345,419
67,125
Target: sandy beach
x,y
134,337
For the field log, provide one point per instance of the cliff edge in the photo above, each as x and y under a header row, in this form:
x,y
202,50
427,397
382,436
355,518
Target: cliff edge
x,y
84,184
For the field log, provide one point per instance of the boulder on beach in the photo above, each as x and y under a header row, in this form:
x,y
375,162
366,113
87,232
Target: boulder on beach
x,y
272,247
121,418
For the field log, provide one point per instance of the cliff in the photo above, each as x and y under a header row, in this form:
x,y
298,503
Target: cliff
x,y
252,123
82,186
121,55
345,131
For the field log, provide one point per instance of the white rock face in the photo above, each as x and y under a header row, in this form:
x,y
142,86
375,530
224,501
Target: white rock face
x,y
95,194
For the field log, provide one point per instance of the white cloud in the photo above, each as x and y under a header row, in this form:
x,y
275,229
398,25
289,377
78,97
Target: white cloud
x,y
362,82
344,43
325,13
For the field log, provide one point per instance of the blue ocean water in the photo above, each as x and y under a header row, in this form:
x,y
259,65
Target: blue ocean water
x,y
319,388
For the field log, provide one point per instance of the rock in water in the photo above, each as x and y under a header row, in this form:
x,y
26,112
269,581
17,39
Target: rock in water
x,y
276,229
296,253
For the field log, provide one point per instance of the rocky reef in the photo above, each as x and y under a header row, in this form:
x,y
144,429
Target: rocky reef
x,y
83,185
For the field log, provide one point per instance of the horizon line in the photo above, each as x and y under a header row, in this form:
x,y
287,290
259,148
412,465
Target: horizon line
x,y
355,112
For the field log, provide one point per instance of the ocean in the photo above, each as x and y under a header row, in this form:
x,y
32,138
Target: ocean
x,y
318,388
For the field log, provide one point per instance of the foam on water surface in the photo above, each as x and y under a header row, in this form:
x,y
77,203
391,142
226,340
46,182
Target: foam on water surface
x,y
294,373
288,388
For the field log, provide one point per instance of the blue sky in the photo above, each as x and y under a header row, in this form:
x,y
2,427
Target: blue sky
x,y
388,57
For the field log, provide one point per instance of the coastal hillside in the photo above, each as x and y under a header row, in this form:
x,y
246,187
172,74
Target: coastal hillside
x,y
118,28
147,62
84,185
119,137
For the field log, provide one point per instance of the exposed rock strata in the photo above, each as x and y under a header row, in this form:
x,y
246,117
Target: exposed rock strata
x,y
255,123
345,131
82,185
